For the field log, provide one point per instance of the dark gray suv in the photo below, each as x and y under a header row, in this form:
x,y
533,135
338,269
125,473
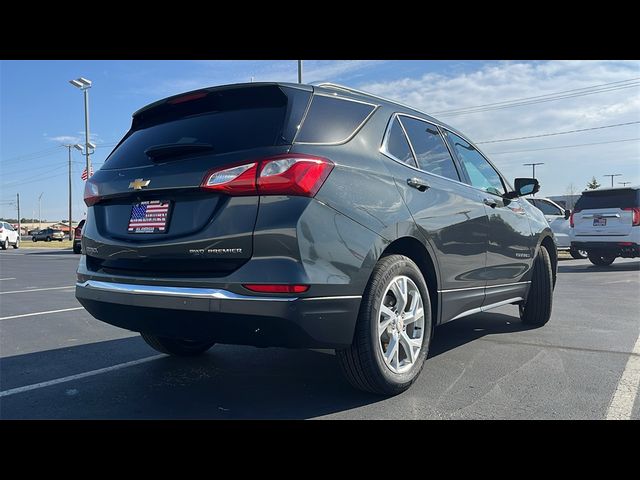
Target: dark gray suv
x,y
276,214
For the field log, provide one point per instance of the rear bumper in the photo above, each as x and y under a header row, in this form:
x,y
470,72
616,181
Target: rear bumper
x,y
620,248
222,315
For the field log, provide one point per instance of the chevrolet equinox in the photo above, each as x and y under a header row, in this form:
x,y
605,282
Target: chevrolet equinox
x,y
275,214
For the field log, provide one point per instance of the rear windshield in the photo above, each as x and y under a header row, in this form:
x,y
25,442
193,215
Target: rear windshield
x,y
227,120
609,199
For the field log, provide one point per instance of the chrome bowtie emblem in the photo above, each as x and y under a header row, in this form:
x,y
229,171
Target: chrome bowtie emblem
x,y
139,183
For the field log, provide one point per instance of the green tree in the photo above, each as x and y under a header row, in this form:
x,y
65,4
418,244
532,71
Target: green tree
x,y
593,184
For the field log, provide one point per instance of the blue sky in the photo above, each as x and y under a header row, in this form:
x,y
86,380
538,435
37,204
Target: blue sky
x,y
40,110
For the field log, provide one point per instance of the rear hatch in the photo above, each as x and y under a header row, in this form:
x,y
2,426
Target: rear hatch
x,y
607,212
151,215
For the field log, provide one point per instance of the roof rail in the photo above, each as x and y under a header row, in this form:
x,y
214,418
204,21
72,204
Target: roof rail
x,y
361,92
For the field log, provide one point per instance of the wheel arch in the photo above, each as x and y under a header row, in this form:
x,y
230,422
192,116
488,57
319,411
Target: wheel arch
x,y
548,242
414,249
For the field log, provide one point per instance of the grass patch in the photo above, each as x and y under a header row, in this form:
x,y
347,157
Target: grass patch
x,y
42,244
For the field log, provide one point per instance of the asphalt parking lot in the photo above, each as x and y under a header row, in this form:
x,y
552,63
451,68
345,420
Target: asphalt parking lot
x,y
63,364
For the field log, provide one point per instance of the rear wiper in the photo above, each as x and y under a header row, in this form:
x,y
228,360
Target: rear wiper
x,y
166,150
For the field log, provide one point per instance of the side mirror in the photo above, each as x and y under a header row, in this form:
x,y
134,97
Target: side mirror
x,y
524,186
567,214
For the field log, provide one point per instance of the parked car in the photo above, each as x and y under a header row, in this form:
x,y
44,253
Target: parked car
x,y
77,237
558,219
8,236
606,224
48,234
33,232
276,214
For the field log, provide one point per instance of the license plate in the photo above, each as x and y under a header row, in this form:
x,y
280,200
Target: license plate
x,y
149,217
599,222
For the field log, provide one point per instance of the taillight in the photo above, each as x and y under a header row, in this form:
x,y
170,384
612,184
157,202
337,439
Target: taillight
x,y
237,180
276,288
91,195
289,174
635,212
571,224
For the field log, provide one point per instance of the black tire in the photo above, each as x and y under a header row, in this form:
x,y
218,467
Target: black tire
x,y
578,254
48,239
601,260
60,239
77,248
175,346
5,244
34,239
17,244
536,309
362,363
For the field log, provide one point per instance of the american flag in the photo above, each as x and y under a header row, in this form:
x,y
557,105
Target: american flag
x,y
84,173
148,217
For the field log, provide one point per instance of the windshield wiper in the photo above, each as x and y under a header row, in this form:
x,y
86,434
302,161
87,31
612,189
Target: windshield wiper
x,y
167,150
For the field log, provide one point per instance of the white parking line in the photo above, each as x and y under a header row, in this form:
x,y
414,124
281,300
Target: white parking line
x,y
623,399
70,378
41,313
11,278
37,289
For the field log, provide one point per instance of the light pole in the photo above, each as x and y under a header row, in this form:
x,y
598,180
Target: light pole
x,y
69,147
624,184
613,175
84,85
299,71
40,211
533,165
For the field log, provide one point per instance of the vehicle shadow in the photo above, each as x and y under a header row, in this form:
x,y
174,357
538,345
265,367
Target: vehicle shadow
x,y
229,382
590,268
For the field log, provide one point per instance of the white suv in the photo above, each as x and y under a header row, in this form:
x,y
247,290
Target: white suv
x,y
558,219
606,223
8,236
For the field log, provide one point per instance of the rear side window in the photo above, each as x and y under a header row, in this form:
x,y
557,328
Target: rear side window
x,y
332,120
548,208
609,199
398,146
228,120
431,152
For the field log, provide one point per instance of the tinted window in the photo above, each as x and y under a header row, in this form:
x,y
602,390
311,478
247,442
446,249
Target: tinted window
x,y
332,120
398,146
609,199
229,120
431,152
480,172
548,208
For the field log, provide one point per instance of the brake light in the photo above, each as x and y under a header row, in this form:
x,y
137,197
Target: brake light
x,y
91,195
276,288
635,212
187,98
289,174
571,224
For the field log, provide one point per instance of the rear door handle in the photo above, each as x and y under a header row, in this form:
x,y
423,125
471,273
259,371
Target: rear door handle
x,y
421,185
490,202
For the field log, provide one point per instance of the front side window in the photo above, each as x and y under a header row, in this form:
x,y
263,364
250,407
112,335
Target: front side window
x,y
431,152
480,172
398,146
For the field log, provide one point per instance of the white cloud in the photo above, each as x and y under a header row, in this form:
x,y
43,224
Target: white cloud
x,y
64,139
220,72
501,81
